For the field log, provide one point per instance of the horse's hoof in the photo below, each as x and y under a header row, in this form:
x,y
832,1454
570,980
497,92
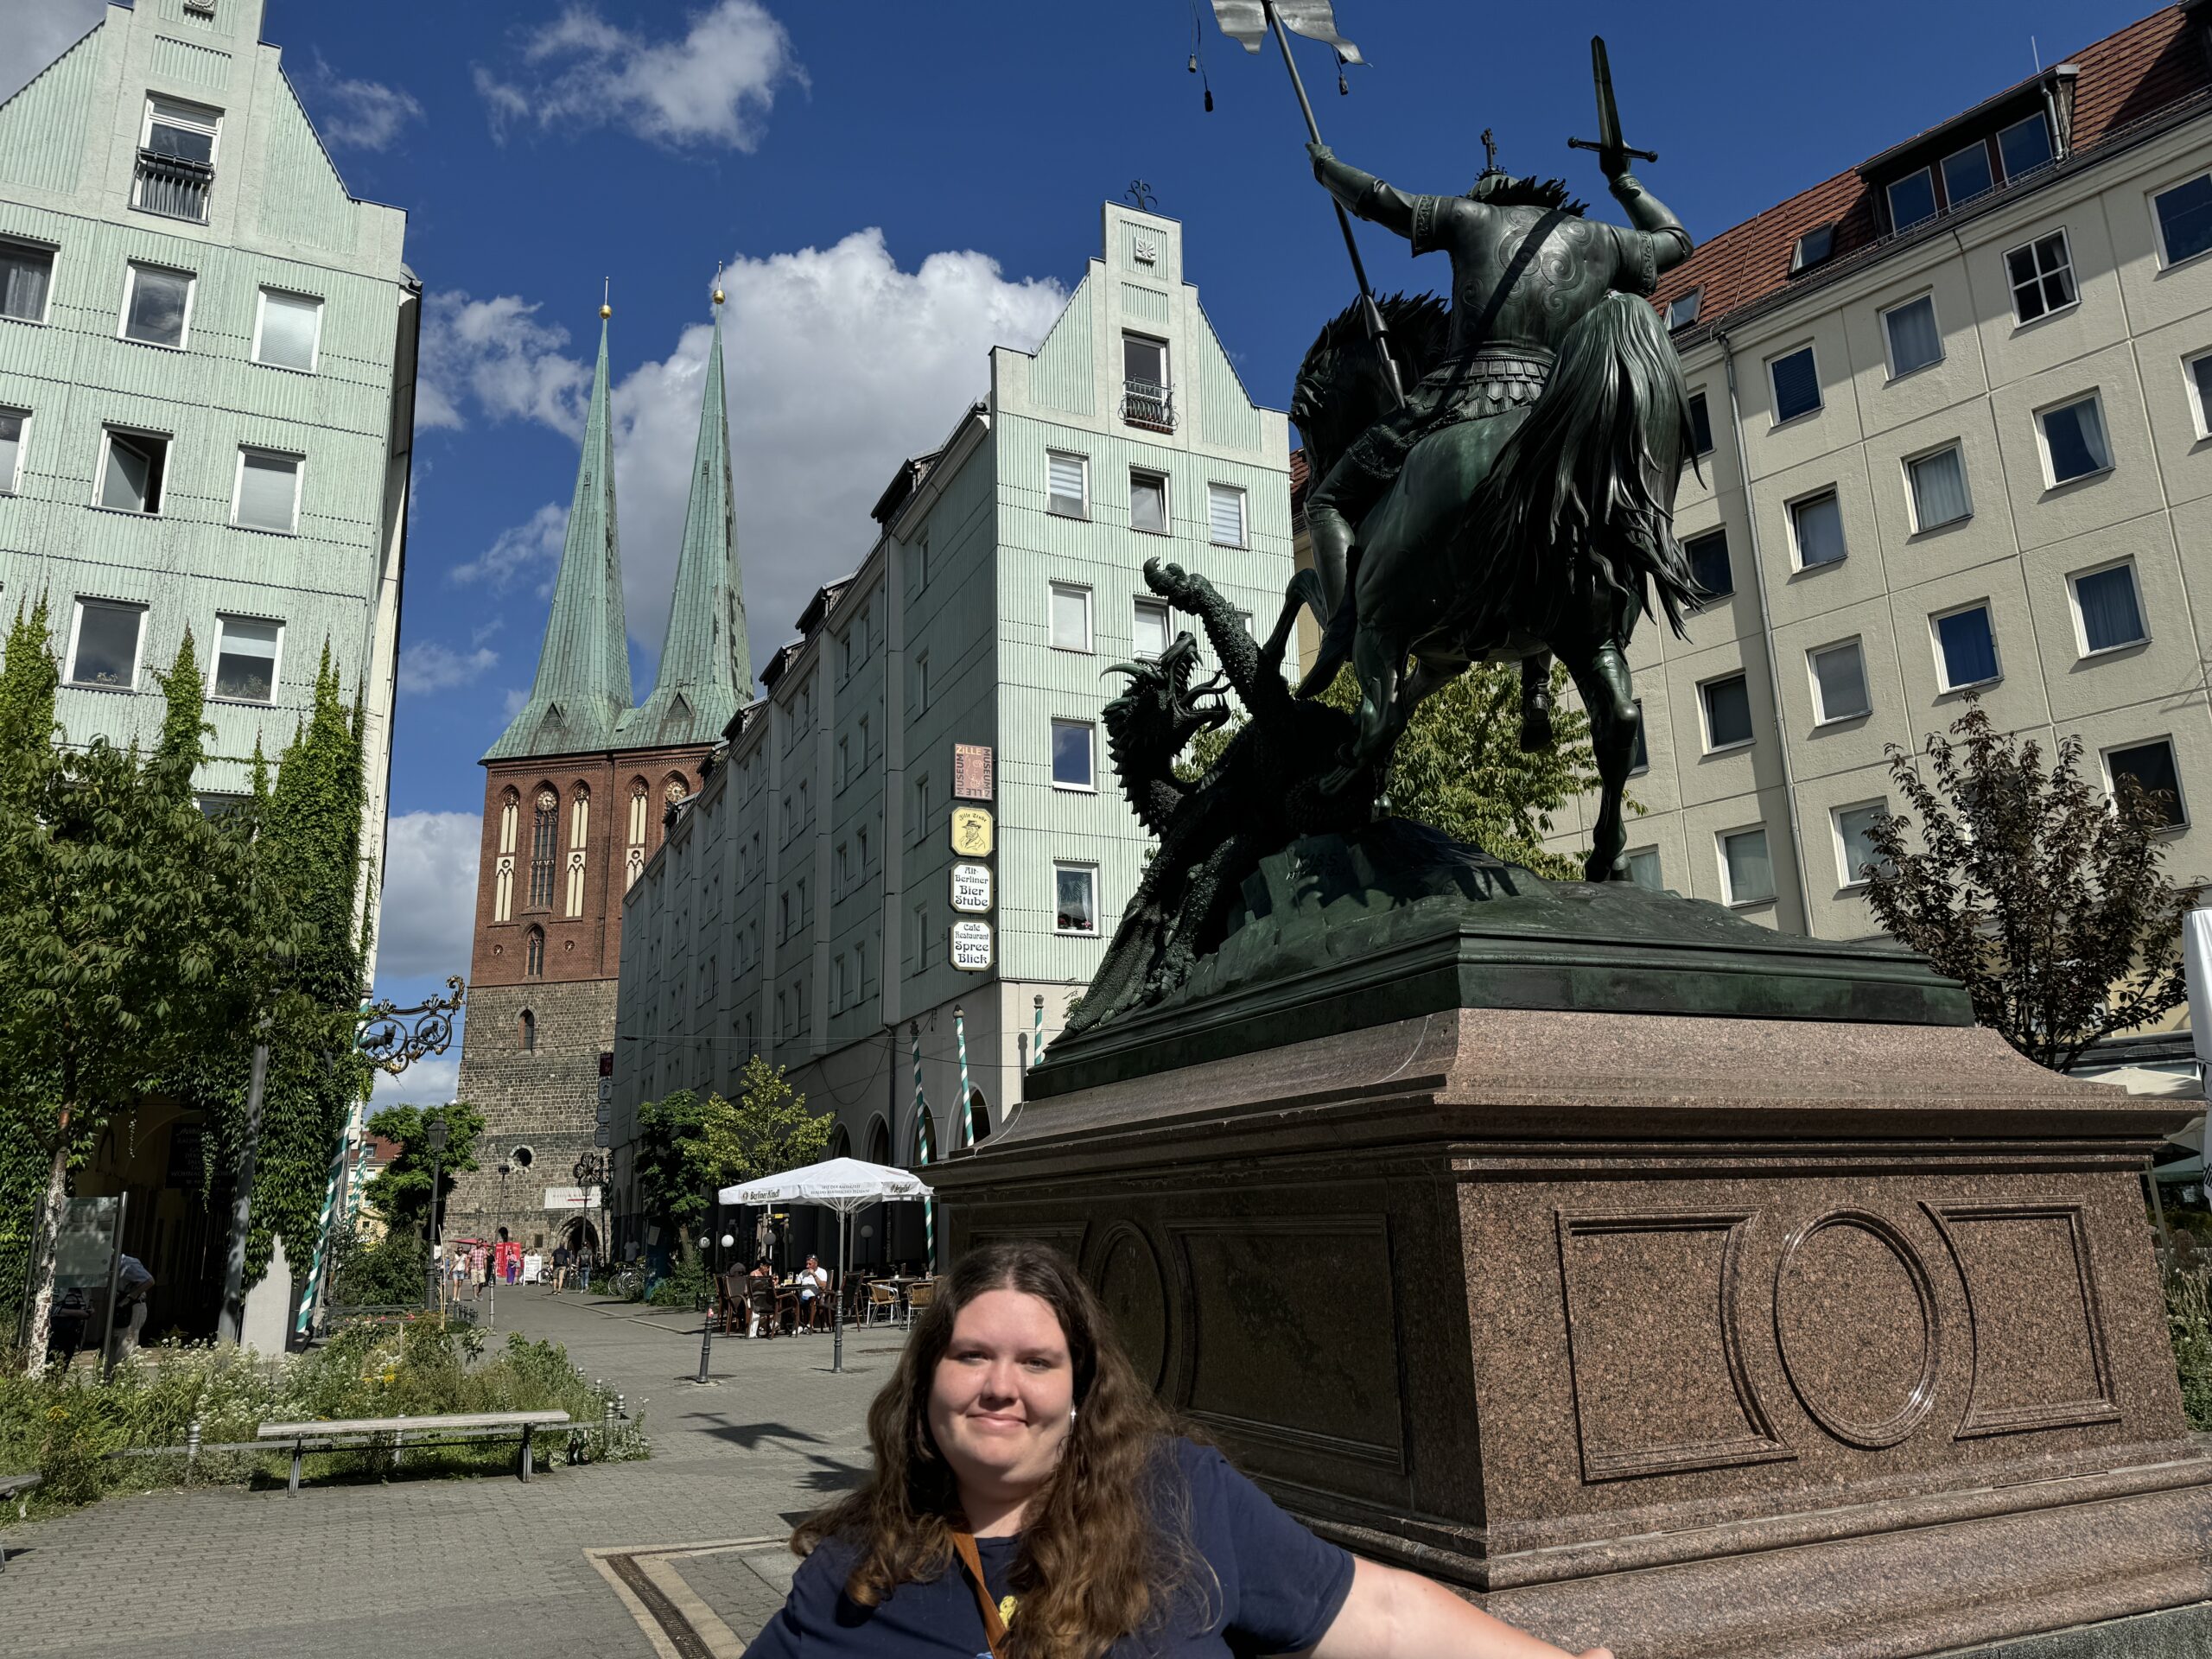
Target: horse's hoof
x,y
1536,728
1595,868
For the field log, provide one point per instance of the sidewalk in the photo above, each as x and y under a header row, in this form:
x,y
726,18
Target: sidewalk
x,y
429,1568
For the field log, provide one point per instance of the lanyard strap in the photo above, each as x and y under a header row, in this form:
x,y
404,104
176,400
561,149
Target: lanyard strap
x,y
994,1626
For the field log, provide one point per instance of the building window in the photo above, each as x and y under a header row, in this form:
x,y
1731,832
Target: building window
x,y
1149,503
529,1032
2150,766
1747,872
2024,146
922,807
1075,898
579,842
1644,870
1680,313
2042,275
1072,755
176,160
266,495
1728,704
1070,617
26,277
1151,628
156,305
1708,557
1812,249
133,468
287,330
1225,515
2107,608
1966,648
1915,341
2198,368
1145,400
246,657
13,423
544,848
534,953
2074,440
1855,857
863,852
1067,484
2185,216
1939,489
1839,683
1796,385
922,683
103,644
1700,425
1967,174
1912,200
1816,526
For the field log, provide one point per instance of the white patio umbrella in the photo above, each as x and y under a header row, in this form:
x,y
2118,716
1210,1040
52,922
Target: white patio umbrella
x,y
843,1184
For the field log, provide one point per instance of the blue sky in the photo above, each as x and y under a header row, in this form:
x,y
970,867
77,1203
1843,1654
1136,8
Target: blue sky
x,y
888,189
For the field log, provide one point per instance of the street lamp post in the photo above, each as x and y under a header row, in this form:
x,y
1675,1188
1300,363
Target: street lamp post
x,y
432,1231
591,1173
706,1324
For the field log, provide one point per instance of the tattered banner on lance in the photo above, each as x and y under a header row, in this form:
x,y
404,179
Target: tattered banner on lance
x,y
1245,21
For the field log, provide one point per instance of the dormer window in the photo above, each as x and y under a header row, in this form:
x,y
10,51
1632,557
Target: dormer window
x,y
1967,174
1912,200
2024,146
1813,248
1680,313
176,159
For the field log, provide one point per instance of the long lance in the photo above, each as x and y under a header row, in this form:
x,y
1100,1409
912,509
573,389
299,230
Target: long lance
x,y
1377,330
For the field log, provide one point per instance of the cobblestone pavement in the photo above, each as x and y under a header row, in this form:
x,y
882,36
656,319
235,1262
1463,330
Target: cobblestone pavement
x,y
583,1561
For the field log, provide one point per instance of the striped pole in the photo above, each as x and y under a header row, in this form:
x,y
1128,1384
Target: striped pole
x,y
1037,1039
322,1236
967,1099
922,1144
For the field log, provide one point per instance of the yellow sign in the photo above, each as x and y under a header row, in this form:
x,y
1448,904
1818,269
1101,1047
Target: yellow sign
x,y
971,831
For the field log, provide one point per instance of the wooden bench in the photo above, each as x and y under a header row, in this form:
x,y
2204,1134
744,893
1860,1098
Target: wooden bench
x,y
17,1489
460,1428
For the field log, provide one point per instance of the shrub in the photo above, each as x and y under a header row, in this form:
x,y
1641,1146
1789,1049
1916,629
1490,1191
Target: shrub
x,y
2189,1321
683,1286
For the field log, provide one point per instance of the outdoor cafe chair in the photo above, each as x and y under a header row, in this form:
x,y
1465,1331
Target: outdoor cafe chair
x,y
882,1299
919,1295
763,1300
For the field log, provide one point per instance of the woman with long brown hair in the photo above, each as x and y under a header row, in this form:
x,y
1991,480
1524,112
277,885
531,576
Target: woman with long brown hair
x,y
1031,1500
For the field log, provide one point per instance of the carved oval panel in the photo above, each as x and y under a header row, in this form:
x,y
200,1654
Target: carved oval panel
x,y
1135,1291
1854,1317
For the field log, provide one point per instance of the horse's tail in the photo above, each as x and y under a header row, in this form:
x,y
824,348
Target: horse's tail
x,y
1593,470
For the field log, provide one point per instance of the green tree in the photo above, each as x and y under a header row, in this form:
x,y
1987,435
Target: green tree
x,y
2044,900
689,1148
673,1175
401,1189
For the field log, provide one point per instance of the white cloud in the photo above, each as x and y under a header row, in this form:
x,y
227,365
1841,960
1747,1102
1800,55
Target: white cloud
x,y
429,919
433,667
428,1081
36,32
534,544
496,355
357,114
714,86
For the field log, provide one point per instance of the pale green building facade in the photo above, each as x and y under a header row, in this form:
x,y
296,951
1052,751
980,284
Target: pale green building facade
x,y
206,387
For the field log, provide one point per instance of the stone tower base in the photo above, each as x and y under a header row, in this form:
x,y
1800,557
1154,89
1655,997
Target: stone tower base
x,y
544,1098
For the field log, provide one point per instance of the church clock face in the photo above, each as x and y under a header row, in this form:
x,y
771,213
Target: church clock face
x,y
675,792
546,800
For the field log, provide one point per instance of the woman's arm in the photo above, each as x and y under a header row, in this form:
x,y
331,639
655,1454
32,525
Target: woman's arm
x,y
1394,1615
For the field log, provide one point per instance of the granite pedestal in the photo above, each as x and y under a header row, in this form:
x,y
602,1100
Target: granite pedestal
x,y
1697,1335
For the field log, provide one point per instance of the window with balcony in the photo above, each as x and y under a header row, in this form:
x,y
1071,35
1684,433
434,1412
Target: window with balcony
x,y
1746,871
1224,515
1938,483
1067,484
1150,628
287,330
103,641
1816,527
1966,648
2150,766
2107,610
1839,683
1149,503
1913,339
246,657
1146,398
2042,278
156,305
1728,703
2074,440
1708,556
133,467
1070,617
266,493
14,424
26,277
176,160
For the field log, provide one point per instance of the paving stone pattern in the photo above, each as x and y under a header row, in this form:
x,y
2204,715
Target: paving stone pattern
x,y
420,1569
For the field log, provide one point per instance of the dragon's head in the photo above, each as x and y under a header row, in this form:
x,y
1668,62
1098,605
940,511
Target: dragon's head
x,y
1159,711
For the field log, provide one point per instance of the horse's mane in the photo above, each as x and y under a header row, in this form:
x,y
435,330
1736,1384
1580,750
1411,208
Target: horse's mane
x,y
1339,392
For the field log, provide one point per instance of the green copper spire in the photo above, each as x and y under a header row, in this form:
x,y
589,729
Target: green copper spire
x,y
706,670
582,690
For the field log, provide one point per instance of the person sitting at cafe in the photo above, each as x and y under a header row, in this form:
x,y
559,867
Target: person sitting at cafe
x,y
813,1293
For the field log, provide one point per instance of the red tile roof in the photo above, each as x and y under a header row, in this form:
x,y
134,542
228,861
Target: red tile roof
x,y
2146,68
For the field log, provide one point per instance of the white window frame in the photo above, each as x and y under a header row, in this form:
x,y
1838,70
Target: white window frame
x,y
2051,479
275,661
1080,866
2181,787
1166,501
1819,397
1694,299
146,124
1889,348
1906,464
1995,164
1091,733
1845,881
1820,714
1720,839
13,484
1796,545
2197,408
2037,119
99,470
53,252
1631,854
1145,601
2005,265
1943,681
131,268
1890,199
1705,712
2084,653
1082,470
1057,591
76,626
238,487
2167,261
1243,515
261,311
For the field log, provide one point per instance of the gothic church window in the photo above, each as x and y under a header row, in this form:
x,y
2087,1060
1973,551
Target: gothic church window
x,y
534,959
579,838
544,845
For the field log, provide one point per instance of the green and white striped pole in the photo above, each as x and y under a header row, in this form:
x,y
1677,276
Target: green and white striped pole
x,y
922,1146
322,1236
1036,1031
967,1099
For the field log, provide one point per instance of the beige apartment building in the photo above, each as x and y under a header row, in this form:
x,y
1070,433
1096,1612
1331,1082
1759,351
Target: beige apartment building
x,y
1956,412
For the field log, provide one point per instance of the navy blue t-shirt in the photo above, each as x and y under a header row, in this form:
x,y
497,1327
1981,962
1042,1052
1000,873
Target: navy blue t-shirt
x,y
1281,1589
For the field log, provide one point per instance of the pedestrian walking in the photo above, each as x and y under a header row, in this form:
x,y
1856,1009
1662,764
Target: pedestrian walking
x,y
967,1529
479,1271
133,1281
584,1262
560,1269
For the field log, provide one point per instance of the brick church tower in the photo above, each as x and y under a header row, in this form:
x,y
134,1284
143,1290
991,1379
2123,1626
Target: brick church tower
x,y
575,795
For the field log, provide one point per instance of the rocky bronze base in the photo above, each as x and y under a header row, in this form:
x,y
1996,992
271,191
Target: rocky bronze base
x,y
1699,1337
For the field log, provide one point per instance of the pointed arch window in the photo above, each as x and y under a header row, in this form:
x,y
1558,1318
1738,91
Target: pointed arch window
x,y
528,1032
579,840
503,870
641,815
545,847
534,953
